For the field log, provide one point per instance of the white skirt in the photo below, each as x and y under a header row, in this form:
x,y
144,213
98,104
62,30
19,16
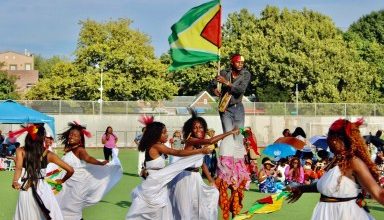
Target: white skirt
x,y
27,207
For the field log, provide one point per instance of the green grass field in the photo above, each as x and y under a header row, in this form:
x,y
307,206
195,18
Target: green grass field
x,y
115,204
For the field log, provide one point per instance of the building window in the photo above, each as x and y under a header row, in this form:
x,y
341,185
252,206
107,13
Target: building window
x,y
205,101
28,66
13,67
30,85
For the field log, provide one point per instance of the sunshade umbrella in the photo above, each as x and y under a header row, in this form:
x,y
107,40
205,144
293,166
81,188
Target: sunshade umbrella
x,y
12,112
279,150
319,141
292,141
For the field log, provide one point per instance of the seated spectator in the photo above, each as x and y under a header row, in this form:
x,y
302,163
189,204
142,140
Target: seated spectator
x,y
282,165
3,150
321,163
306,154
294,173
379,161
11,144
2,138
3,165
267,177
286,133
309,174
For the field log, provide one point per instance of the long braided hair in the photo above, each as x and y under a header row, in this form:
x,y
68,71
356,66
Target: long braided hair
x,y
34,149
151,135
345,141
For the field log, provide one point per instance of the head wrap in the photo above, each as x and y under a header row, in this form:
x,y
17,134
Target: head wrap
x,y
345,126
237,58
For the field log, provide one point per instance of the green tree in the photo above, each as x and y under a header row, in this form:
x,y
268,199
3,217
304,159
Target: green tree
x,y
284,48
44,66
62,84
370,27
123,55
366,36
7,86
127,55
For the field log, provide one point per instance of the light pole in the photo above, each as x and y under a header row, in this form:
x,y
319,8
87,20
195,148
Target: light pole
x,y
100,101
297,100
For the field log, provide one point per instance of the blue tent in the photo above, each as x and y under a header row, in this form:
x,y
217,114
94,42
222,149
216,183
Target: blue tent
x,y
12,112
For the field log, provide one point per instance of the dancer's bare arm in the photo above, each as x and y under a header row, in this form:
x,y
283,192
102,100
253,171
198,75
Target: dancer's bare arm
x,y
53,158
213,140
297,191
161,148
18,167
208,174
361,171
83,155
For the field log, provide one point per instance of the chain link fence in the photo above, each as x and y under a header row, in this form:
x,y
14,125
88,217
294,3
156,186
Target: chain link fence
x,y
57,107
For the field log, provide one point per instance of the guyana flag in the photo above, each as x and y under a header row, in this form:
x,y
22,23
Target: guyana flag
x,y
196,37
267,204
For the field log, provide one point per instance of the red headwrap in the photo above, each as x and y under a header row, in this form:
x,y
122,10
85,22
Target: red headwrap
x,y
237,58
343,124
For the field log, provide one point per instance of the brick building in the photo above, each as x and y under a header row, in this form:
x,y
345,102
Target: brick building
x,y
22,67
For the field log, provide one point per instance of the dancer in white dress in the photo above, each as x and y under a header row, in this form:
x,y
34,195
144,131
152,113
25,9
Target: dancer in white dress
x,y
191,198
150,199
36,199
350,172
92,178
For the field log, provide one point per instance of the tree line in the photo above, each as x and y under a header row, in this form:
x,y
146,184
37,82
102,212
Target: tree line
x,y
282,48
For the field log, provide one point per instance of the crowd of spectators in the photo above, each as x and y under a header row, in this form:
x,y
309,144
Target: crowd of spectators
x,y
8,146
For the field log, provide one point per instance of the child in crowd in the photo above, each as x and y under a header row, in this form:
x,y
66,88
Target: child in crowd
x,y
309,174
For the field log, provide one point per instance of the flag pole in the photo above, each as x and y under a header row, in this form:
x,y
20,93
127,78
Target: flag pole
x,y
218,73
220,38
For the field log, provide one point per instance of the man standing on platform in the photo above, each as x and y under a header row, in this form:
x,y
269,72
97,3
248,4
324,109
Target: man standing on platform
x,y
232,171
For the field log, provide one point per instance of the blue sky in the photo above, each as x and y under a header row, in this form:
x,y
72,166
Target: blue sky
x,y
50,27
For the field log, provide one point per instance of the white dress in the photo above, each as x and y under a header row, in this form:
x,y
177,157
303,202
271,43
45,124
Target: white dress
x,y
349,210
87,185
27,207
191,198
150,199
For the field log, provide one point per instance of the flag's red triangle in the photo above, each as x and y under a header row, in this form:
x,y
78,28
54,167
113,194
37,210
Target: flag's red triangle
x,y
212,31
266,200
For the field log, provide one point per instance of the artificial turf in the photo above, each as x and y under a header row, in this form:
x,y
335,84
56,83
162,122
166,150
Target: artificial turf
x,y
116,203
